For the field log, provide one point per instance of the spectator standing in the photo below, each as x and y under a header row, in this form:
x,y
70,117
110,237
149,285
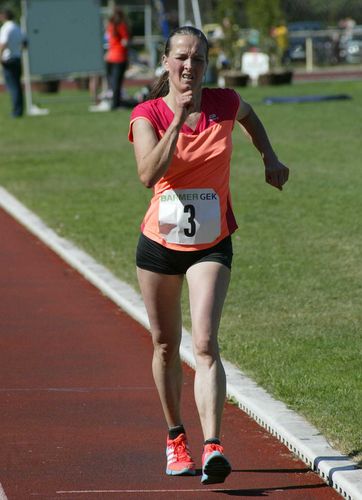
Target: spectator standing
x,y
118,36
281,36
11,43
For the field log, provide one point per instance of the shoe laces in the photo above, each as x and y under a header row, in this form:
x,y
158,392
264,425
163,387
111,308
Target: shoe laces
x,y
210,447
180,449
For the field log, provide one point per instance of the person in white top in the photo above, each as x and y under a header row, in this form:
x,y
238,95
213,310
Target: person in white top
x,y
11,43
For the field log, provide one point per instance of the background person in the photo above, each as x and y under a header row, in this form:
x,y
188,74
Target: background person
x,y
118,37
281,36
182,143
11,43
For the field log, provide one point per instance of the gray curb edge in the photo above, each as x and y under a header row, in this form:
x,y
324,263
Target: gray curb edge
x,y
303,439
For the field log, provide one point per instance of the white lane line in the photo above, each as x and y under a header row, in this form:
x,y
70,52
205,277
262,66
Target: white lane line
x,y
195,490
303,439
2,494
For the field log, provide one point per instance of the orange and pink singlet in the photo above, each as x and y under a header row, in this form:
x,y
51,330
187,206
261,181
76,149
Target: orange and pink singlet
x,y
191,204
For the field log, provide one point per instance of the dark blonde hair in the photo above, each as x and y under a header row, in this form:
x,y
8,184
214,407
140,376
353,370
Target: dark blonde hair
x,y
7,13
161,87
118,17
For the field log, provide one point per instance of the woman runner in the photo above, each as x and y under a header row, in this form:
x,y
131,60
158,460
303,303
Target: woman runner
x,y
182,143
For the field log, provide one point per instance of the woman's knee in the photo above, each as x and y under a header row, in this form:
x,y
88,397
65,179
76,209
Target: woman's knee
x,y
206,348
166,352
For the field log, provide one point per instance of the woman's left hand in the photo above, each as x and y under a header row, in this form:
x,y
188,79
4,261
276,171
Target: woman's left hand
x,y
276,174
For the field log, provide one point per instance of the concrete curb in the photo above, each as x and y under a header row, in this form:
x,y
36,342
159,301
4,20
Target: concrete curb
x,y
296,433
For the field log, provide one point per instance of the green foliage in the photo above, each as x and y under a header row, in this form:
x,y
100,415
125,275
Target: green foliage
x,y
227,8
263,14
330,12
14,5
227,16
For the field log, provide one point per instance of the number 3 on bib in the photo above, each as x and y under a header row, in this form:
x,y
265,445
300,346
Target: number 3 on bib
x,y
189,216
190,209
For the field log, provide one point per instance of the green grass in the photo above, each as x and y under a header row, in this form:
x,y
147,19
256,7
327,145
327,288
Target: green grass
x,y
293,316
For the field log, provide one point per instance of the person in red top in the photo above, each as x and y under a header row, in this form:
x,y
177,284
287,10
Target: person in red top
x,y
118,36
182,143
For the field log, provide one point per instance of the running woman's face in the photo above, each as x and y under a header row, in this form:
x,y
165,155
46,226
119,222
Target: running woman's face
x,y
186,62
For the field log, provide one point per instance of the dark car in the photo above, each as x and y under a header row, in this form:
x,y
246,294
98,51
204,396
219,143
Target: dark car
x,y
323,47
323,52
297,49
305,26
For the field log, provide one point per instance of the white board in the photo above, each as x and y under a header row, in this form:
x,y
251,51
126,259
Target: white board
x,y
255,64
64,36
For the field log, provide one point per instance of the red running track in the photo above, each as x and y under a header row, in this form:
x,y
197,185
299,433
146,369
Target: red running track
x,y
80,417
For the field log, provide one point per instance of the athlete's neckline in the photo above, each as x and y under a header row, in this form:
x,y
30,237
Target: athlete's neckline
x,y
193,130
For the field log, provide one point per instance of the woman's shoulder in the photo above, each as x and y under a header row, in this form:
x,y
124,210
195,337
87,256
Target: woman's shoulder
x,y
225,100
155,112
148,108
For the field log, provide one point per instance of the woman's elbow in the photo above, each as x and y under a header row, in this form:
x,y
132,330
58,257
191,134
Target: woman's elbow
x,y
148,184
146,180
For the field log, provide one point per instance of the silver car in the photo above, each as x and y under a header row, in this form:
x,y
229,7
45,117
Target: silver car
x,y
354,49
351,48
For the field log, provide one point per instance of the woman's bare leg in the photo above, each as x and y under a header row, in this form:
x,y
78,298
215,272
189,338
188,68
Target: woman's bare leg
x,y
208,283
162,295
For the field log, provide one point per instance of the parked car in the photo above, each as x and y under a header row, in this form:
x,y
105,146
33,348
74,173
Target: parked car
x,y
323,48
322,42
297,52
351,48
305,26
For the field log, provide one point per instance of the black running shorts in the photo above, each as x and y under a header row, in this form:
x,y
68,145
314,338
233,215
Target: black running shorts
x,y
154,257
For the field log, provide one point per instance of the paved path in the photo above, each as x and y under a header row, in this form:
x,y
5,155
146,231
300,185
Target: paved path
x,y
80,417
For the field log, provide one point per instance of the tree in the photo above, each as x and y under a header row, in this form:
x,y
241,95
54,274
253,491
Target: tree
x,y
263,15
226,15
14,5
315,10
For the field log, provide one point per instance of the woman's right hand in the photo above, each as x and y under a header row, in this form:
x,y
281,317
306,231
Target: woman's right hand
x,y
184,106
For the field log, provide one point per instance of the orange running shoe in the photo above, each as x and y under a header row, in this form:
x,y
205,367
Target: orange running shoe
x,y
215,466
179,461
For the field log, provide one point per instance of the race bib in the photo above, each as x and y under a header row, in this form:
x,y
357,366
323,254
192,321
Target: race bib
x,y
189,216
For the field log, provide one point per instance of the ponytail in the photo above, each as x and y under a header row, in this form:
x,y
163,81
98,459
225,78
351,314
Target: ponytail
x,y
160,88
